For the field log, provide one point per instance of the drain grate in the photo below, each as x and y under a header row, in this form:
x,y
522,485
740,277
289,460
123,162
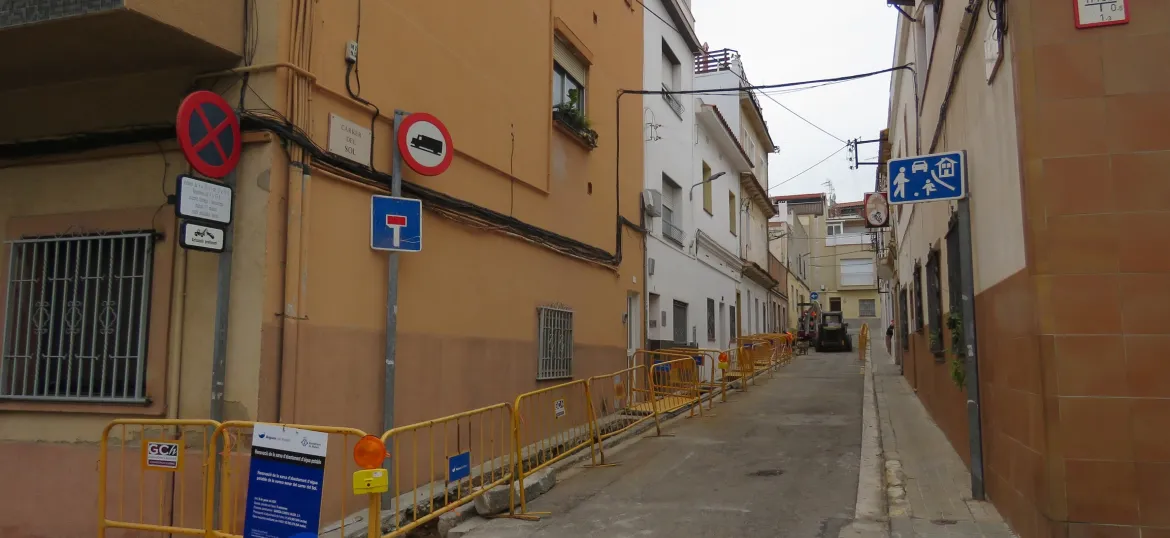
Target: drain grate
x,y
766,472
943,521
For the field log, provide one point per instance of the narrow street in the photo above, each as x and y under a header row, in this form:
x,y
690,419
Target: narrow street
x,y
779,460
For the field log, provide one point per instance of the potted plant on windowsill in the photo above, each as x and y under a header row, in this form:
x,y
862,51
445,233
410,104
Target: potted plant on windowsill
x,y
572,118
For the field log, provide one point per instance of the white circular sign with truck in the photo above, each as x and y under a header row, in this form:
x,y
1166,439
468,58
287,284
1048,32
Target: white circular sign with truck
x,y
425,144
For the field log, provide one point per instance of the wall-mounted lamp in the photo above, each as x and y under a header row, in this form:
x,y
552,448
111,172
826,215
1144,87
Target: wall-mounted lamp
x,y
691,193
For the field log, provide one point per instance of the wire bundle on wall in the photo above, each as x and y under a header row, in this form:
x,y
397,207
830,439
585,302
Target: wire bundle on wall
x,y
447,206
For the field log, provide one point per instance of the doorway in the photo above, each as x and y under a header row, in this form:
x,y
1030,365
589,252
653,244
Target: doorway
x,y
835,304
680,323
633,328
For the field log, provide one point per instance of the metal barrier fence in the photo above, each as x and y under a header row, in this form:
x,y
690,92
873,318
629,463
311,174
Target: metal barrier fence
x,y
863,342
621,401
169,478
462,456
159,476
781,348
549,425
711,377
232,465
756,351
676,384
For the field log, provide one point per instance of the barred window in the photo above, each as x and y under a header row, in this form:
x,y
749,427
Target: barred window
x,y
954,271
934,301
556,343
919,322
76,314
867,308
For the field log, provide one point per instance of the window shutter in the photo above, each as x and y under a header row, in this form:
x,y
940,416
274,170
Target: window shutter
x,y
568,60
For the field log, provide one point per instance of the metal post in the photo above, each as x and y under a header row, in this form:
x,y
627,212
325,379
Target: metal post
x,y
392,298
969,339
223,291
222,294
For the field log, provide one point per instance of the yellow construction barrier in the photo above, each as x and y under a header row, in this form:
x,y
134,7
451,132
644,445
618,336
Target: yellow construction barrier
x,y
441,464
755,352
677,384
157,478
621,400
712,378
232,466
549,425
863,342
781,347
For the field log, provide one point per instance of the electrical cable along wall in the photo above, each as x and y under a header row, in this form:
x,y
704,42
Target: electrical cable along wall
x,y
445,205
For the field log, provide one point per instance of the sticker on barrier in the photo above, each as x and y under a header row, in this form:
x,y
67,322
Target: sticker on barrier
x,y
162,456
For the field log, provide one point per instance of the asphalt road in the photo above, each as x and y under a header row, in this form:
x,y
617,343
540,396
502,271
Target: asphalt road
x,y
778,460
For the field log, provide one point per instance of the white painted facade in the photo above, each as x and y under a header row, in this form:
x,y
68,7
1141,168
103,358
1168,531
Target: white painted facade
x,y
740,113
693,266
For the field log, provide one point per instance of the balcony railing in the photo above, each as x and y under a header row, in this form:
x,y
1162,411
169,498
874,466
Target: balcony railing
x,y
673,233
848,238
717,60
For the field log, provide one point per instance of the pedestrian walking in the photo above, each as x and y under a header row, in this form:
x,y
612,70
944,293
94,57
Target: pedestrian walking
x,y
890,339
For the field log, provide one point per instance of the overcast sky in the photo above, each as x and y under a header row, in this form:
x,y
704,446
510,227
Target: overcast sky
x,y
788,41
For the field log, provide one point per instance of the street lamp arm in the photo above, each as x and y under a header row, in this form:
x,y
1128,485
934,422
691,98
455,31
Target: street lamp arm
x,y
691,193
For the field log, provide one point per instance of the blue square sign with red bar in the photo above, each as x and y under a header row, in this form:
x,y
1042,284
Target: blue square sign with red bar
x,y
395,224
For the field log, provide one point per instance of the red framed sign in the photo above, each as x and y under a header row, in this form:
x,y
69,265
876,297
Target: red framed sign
x,y
209,134
425,144
1094,13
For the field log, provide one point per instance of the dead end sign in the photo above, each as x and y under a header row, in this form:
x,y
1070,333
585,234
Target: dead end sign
x,y
425,144
209,134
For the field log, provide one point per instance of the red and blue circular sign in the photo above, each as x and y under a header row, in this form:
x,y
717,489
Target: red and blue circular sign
x,y
209,134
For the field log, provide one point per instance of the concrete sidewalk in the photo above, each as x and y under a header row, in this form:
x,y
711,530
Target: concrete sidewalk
x,y
928,486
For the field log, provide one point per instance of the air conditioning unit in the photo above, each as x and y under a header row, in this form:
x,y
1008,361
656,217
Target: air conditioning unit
x,y
650,266
652,202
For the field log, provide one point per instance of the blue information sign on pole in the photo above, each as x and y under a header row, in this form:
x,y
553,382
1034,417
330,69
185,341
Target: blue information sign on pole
x,y
928,178
284,482
395,224
814,296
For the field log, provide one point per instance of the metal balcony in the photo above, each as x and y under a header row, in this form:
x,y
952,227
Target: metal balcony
x,y
58,41
673,233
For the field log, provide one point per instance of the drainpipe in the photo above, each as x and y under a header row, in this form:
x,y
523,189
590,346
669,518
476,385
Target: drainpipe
x,y
175,340
298,178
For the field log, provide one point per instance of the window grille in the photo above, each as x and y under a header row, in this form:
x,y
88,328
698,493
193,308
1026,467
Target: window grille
x,y
556,343
77,310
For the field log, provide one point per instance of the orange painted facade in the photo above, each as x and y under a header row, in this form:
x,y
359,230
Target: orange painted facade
x,y
308,308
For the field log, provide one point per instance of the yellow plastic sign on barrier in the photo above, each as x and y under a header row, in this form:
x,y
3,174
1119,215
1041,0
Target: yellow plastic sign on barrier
x,y
371,481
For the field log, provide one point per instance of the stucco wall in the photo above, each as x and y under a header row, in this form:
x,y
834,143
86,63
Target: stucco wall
x,y
131,181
